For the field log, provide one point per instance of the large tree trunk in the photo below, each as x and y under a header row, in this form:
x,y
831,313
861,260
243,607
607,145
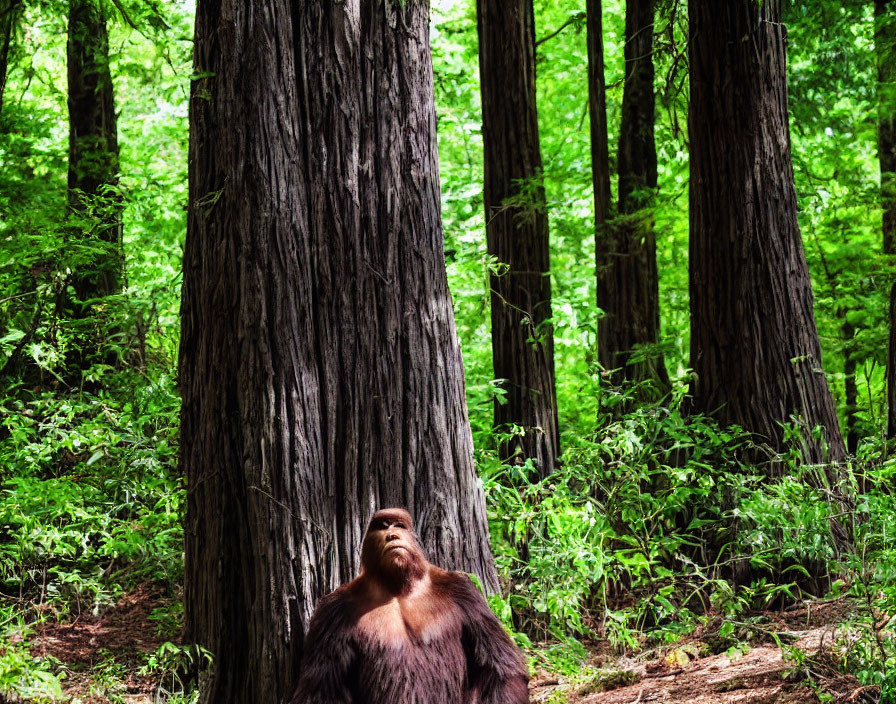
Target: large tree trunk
x,y
517,232
93,146
754,343
320,368
628,291
9,20
885,43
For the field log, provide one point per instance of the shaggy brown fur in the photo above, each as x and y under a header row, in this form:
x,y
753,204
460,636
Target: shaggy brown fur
x,y
407,632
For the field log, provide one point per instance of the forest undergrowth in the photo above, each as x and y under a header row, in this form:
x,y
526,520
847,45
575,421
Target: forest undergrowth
x,y
654,539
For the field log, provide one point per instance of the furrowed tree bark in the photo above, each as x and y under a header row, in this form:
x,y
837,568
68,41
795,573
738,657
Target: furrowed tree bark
x,y
850,387
93,147
597,111
754,343
320,369
517,233
600,164
629,289
395,408
10,11
885,47
257,554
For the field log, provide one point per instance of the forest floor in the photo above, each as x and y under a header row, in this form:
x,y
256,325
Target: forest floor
x,y
788,659
103,653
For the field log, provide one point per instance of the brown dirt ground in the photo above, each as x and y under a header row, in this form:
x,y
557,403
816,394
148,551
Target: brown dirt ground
x,y
123,632
674,675
760,675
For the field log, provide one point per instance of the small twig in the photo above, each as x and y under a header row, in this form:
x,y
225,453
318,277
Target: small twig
x,y
577,17
124,15
18,295
26,338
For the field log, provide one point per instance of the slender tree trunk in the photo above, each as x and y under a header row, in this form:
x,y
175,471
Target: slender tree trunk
x,y
320,369
517,232
9,21
597,110
604,244
851,389
93,145
885,43
629,290
754,343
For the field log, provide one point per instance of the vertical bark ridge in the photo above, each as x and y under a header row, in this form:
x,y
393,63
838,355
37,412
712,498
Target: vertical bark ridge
x,y
597,111
258,516
10,12
754,343
885,47
93,142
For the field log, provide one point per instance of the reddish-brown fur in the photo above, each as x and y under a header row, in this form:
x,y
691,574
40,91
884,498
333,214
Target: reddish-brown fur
x,y
407,632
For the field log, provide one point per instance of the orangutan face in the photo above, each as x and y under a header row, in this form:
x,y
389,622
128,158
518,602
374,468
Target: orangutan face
x,y
390,548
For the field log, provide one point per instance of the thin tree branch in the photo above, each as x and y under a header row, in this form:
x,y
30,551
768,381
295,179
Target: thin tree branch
x,y
573,19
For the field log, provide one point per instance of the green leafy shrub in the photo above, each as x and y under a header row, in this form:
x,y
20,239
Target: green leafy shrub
x,y
868,650
91,503
652,522
21,675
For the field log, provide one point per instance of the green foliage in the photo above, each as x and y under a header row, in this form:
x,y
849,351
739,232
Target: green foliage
x,y
90,499
170,663
651,523
868,648
92,503
32,679
834,128
22,676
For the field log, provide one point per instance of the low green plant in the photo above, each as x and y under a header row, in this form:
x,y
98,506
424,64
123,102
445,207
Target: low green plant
x,y
107,679
565,656
655,520
175,668
32,679
91,504
867,647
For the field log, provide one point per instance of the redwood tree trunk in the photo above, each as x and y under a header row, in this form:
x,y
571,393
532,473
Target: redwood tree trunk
x,y
597,111
93,146
885,43
850,387
9,20
600,159
320,369
628,292
517,232
754,343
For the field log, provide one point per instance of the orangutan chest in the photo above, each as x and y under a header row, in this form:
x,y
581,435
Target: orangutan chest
x,y
410,656
422,620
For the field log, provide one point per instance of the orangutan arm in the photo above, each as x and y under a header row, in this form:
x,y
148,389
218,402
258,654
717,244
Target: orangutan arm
x,y
329,656
498,673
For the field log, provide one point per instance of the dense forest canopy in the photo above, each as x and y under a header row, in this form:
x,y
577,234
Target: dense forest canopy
x,y
657,508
